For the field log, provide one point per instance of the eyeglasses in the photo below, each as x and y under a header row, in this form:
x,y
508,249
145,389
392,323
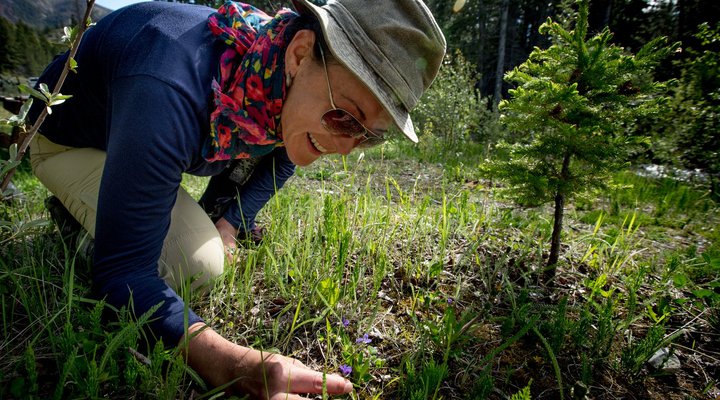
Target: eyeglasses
x,y
340,122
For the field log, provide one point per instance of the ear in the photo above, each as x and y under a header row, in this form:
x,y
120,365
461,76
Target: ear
x,y
299,49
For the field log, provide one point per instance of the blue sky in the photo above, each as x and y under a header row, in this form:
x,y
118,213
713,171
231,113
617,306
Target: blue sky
x,y
115,4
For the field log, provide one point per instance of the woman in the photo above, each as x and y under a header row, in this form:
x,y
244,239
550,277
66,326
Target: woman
x,y
164,89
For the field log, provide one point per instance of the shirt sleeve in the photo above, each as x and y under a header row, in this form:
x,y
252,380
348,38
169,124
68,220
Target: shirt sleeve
x,y
268,177
152,134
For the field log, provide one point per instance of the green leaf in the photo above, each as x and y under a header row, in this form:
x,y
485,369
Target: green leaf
x,y
13,150
330,290
14,121
32,92
435,269
680,280
702,293
73,65
55,102
714,262
652,315
6,166
69,36
45,90
24,109
523,394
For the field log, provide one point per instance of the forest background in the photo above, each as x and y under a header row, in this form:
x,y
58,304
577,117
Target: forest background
x,y
493,37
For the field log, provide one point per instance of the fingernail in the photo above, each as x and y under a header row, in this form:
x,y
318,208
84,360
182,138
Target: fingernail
x,y
348,387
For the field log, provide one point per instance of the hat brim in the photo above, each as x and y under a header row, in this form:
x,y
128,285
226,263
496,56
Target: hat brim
x,y
343,49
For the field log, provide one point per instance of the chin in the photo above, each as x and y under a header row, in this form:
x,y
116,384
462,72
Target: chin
x,y
305,163
299,161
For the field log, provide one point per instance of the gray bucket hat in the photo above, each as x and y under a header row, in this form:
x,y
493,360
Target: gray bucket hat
x,y
395,47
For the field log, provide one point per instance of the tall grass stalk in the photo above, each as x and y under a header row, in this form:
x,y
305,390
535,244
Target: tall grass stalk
x,y
612,252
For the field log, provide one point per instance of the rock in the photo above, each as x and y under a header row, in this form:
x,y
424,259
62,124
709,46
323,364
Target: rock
x,y
579,391
664,360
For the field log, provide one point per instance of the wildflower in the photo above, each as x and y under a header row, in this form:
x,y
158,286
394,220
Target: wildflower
x,y
364,339
450,300
346,370
345,322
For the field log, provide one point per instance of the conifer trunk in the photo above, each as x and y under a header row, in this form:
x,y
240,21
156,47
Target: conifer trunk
x,y
557,229
608,13
481,42
549,274
500,66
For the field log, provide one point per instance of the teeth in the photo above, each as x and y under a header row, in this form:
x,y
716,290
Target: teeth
x,y
317,145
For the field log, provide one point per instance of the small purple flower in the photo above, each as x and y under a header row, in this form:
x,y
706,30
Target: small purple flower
x,y
345,322
346,370
364,339
450,300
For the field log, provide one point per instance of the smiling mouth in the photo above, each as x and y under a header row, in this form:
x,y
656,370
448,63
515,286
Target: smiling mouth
x,y
316,144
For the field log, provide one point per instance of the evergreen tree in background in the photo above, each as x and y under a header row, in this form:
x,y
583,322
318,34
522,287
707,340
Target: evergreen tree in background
x,y
24,51
687,134
570,114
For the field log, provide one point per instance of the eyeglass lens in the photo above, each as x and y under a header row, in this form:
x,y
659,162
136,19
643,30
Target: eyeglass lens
x,y
343,123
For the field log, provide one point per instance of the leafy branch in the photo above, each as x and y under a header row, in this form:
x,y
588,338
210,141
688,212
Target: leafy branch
x,y
17,152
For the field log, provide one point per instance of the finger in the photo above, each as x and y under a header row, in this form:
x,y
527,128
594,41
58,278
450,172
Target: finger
x,y
295,362
305,380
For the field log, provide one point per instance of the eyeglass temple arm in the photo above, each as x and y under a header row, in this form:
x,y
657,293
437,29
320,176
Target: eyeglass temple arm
x,y
327,77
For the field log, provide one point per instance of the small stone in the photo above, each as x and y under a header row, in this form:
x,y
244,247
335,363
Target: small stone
x,y
579,391
665,361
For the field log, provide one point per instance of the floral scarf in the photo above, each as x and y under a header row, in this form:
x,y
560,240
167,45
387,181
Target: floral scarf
x,y
250,94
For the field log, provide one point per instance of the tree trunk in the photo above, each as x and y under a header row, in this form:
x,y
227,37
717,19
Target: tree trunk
x,y
549,274
608,14
500,67
481,41
557,229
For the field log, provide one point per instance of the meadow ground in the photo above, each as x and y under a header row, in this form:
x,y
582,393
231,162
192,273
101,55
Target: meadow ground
x,y
412,273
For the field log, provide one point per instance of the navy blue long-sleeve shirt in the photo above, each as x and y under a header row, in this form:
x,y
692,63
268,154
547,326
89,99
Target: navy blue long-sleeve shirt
x,y
143,94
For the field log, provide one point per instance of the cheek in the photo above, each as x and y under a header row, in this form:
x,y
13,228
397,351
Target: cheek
x,y
296,146
296,123
292,146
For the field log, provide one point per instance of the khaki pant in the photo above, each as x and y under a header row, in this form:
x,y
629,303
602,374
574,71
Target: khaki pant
x,y
192,248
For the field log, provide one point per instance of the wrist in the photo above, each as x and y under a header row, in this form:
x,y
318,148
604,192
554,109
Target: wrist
x,y
209,354
219,361
224,226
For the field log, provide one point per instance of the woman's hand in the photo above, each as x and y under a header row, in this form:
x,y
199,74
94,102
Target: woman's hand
x,y
261,375
228,234
286,377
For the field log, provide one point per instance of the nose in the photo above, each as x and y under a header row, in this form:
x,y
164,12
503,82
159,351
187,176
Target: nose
x,y
344,144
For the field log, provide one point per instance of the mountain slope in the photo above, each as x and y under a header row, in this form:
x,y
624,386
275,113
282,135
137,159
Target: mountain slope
x,y
48,13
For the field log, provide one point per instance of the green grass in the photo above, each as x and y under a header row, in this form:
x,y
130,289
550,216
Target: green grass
x,y
423,258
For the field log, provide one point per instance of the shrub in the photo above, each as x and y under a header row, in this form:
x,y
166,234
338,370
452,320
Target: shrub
x,y
451,109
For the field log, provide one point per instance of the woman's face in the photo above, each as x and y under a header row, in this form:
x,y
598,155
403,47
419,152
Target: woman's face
x,y
308,99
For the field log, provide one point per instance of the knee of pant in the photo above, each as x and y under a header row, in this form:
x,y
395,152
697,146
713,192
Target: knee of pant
x,y
199,264
211,267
